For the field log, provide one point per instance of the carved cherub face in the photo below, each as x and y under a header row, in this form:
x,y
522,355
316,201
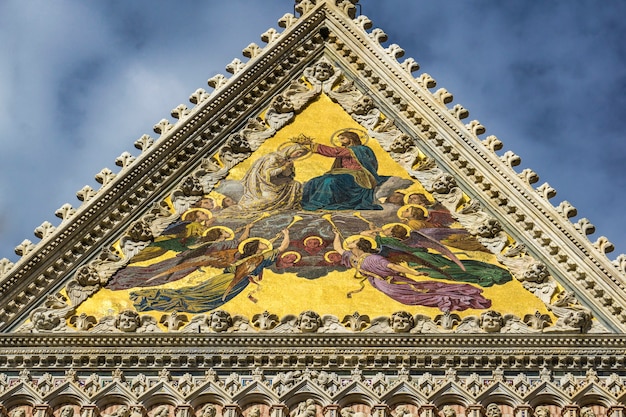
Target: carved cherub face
x,y
128,321
323,71
489,229
577,319
219,321
309,322
491,321
363,107
45,320
401,322
402,144
536,272
87,276
443,184
282,104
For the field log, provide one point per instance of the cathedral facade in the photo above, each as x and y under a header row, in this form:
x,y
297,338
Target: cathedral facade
x,y
324,233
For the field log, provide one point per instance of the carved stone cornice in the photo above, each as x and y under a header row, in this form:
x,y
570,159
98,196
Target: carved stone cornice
x,y
602,352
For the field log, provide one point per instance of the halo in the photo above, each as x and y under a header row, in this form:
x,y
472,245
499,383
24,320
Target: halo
x,y
390,225
308,153
292,252
326,258
260,239
191,210
408,194
405,207
353,238
319,239
227,229
362,134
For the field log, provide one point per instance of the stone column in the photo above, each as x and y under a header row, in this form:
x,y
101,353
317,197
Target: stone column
x,y
428,410
331,410
616,411
184,410
570,411
523,410
474,410
231,410
42,410
137,410
279,410
381,410
89,410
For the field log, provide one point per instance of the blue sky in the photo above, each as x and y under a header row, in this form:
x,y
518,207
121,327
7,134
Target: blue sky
x,y
81,81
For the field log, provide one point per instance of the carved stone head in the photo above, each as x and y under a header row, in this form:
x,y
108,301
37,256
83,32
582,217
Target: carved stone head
x,y
443,184
128,321
87,276
322,71
220,321
282,104
45,320
140,232
309,321
493,410
489,228
402,322
578,319
402,144
209,411
363,106
67,411
587,412
491,321
537,272
448,411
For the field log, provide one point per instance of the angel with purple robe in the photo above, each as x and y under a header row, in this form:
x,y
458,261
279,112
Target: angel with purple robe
x,y
392,278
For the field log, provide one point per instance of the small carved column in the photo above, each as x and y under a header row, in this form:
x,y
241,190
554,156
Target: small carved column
x,y
3,411
331,410
279,410
183,410
570,411
428,410
616,411
523,410
474,410
381,410
231,410
42,410
138,410
89,410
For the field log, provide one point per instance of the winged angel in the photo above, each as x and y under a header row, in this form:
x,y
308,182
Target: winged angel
x,y
385,272
254,255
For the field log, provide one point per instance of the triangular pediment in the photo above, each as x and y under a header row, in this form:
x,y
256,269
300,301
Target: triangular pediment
x,y
162,245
